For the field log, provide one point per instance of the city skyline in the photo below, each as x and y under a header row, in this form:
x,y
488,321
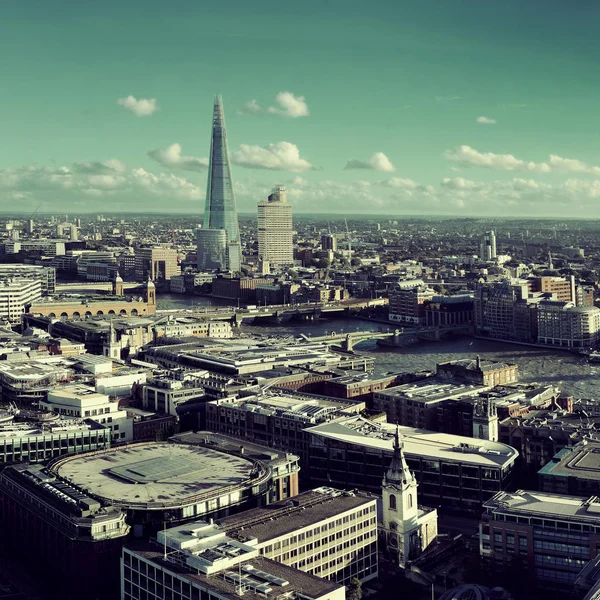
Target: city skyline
x,y
359,110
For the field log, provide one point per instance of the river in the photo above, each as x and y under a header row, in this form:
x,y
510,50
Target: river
x,y
569,372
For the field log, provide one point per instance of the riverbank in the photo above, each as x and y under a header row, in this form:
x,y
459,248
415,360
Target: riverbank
x,y
530,345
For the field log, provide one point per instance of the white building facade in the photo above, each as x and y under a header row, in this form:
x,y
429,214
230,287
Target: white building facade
x,y
82,402
275,231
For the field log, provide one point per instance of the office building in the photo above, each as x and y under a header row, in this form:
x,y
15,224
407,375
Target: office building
x,y
573,471
16,293
408,528
566,325
416,404
495,313
275,233
46,275
65,537
201,562
196,476
478,371
252,357
80,401
446,311
68,230
407,305
277,419
220,211
42,441
451,470
165,393
329,242
325,532
562,288
554,535
156,264
487,246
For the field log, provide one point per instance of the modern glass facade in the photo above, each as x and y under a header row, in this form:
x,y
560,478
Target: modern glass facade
x,y
212,249
220,210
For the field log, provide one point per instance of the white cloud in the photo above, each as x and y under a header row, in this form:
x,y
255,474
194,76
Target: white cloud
x,y
466,156
166,184
171,157
70,184
485,121
143,107
571,165
289,106
459,183
400,183
108,182
469,157
250,108
99,167
378,162
281,156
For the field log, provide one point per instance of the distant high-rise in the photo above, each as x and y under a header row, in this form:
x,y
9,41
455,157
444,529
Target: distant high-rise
x,y
275,232
220,210
487,246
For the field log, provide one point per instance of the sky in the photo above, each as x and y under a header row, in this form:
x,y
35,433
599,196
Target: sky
x,y
391,107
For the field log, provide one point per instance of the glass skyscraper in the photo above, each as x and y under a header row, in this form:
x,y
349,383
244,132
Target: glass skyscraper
x,y
220,212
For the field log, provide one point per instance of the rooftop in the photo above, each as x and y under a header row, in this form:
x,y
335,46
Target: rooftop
x,y
304,510
474,364
581,461
306,409
432,389
542,504
260,577
18,430
155,475
417,442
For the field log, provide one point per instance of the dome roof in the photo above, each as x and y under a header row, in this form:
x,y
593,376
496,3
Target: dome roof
x,y
467,591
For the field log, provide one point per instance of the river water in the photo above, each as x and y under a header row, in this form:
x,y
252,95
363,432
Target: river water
x,y
569,372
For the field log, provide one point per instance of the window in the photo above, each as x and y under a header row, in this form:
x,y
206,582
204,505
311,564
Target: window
x,y
392,502
410,501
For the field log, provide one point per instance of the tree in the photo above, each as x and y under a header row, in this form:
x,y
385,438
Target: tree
x,y
356,262
322,263
293,274
354,590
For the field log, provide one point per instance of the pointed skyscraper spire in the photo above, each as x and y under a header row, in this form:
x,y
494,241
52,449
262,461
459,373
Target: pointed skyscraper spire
x,y
220,211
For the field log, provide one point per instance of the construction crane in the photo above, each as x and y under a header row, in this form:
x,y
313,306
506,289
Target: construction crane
x,y
175,245
348,240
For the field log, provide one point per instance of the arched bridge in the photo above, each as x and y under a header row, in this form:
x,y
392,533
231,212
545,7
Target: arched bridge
x,y
346,341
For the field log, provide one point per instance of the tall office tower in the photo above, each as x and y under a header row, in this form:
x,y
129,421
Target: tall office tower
x,y
220,210
487,246
275,233
329,242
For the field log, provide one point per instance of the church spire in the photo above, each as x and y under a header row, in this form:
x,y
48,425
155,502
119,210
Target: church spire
x,y
398,472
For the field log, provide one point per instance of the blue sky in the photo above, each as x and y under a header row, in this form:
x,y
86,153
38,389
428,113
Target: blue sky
x,y
392,107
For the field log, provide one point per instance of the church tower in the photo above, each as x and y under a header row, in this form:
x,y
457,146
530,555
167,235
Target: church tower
x,y
117,285
485,420
150,293
400,508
